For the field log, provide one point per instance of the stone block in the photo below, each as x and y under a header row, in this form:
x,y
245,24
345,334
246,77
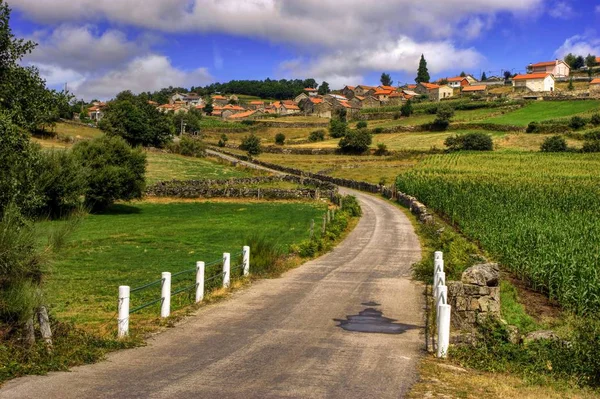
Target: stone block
x,y
484,275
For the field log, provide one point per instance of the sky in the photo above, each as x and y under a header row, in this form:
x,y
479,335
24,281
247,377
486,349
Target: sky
x,y
101,47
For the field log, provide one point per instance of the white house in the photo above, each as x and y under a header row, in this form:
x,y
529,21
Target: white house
x,y
536,82
558,68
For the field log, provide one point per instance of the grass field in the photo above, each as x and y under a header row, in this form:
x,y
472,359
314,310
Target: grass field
x,y
132,244
76,131
544,110
163,166
538,214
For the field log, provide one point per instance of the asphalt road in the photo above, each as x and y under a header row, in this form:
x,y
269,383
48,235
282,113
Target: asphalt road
x,y
346,325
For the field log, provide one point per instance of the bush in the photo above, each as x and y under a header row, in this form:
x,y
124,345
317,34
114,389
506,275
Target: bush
x,y
378,130
223,140
591,146
280,139
407,109
356,141
577,122
317,135
337,128
554,144
251,144
62,181
397,115
351,206
361,125
114,171
443,116
595,120
266,255
470,142
248,122
593,135
189,147
381,149
533,127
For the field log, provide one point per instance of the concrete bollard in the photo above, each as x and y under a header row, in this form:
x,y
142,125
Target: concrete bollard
x,y
165,293
226,270
439,279
443,330
199,281
123,308
442,299
246,260
438,262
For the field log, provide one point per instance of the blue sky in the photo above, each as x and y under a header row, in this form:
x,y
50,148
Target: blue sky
x,y
100,47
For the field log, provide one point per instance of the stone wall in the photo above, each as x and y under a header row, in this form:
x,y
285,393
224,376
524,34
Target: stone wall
x,y
476,296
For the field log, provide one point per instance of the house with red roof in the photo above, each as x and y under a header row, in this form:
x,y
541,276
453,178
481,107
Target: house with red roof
x,y
365,102
536,82
433,91
348,92
458,82
595,88
362,90
558,68
473,90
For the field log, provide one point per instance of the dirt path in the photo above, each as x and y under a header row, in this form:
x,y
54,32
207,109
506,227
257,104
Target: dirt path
x,y
282,337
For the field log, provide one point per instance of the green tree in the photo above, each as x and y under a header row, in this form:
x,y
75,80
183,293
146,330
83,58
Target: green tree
x,y
554,144
114,171
138,122
507,75
590,61
570,86
324,89
463,74
337,128
251,144
570,60
280,139
386,79
422,72
443,116
406,109
579,62
356,141
483,77
208,107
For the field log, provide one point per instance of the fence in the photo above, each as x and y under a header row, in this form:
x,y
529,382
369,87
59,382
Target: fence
x,y
201,284
440,297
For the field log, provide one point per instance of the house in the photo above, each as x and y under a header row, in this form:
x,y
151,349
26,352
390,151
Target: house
x,y
300,97
351,110
217,111
250,114
435,92
471,79
558,68
411,87
391,88
189,99
473,90
311,92
409,93
348,91
316,107
256,105
234,108
363,90
458,82
536,82
595,88
365,102
288,108
383,95
219,100
96,111
396,98
334,97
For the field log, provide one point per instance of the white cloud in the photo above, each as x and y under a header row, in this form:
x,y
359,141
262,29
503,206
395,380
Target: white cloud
x,y
579,45
598,8
147,73
561,10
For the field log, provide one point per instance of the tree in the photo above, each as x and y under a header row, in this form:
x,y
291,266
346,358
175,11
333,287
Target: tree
x,y
251,144
443,116
138,122
324,88
590,61
570,86
470,142
190,119
337,128
406,109
114,171
422,72
463,74
280,139
579,62
208,107
554,144
570,60
507,75
356,141
483,77
386,79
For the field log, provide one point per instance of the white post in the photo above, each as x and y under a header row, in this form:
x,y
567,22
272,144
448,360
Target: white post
x,y
246,260
165,293
439,279
441,299
443,330
199,281
438,262
123,320
226,269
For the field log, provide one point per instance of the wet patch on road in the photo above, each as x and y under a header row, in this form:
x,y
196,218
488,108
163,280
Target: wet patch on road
x,y
372,320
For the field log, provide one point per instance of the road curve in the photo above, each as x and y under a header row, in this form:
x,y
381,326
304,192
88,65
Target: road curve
x,y
281,338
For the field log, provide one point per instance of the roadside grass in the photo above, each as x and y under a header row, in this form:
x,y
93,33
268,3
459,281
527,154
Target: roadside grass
x,y
544,110
131,244
163,166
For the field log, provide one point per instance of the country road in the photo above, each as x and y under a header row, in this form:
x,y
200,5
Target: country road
x,y
320,331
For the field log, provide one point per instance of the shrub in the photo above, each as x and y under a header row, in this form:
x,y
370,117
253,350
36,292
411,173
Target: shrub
x,y
533,127
223,140
407,109
397,115
62,181
350,204
251,144
113,170
378,130
443,116
266,255
361,125
593,135
591,146
595,120
554,144
381,149
356,141
337,128
317,135
577,122
470,142
189,147
280,139
248,122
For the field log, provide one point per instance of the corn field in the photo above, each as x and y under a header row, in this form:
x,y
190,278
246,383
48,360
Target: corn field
x,y
537,214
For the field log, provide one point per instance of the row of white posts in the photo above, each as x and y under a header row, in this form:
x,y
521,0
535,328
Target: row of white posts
x,y
165,308
440,297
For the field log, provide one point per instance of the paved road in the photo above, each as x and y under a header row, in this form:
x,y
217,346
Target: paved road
x,y
281,338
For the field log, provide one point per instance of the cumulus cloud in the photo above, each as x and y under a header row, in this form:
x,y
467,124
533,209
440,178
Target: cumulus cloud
x,y
147,73
561,10
579,45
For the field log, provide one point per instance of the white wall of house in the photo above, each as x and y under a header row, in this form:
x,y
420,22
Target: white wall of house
x,y
536,85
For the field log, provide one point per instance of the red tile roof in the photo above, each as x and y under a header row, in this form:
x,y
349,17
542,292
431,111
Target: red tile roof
x,y
310,89
217,97
234,107
388,88
350,87
257,102
316,100
429,86
456,79
395,95
360,98
475,88
530,76
544,64
290,106
242,115
597,60
383,92
411,86
595,81
345,104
